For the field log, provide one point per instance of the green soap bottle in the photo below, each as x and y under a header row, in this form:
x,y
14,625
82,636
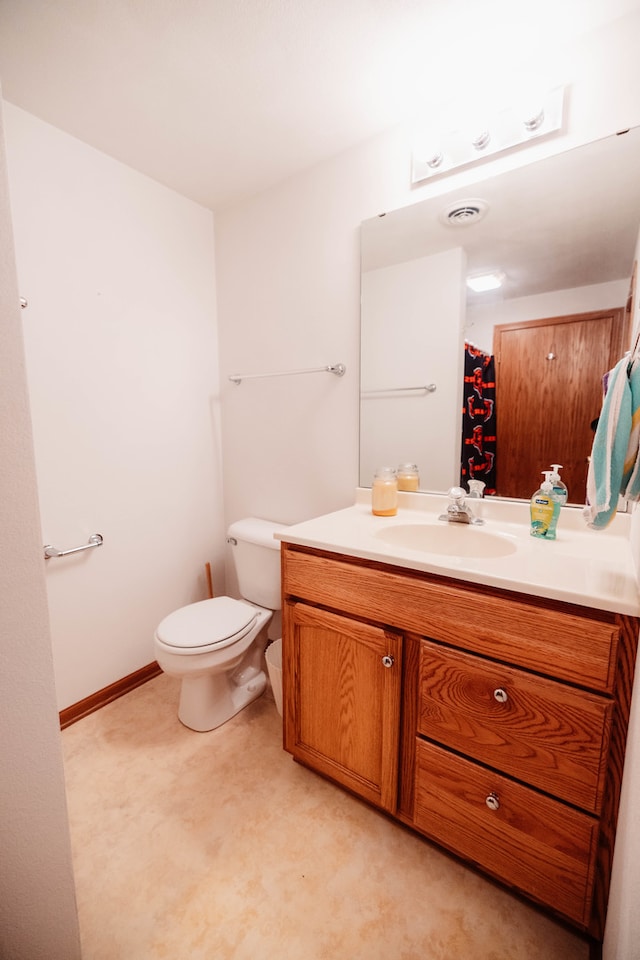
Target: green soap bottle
x,y
545,509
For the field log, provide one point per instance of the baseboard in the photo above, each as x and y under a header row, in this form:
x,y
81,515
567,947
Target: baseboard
x,y
99,699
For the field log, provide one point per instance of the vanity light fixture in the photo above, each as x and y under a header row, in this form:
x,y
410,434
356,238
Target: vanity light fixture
x,y
482,283
511,127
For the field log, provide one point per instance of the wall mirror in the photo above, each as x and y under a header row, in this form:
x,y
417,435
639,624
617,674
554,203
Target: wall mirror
x,y
563,233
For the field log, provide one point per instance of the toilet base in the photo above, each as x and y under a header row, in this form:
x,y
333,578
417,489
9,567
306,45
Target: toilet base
x,y
206,702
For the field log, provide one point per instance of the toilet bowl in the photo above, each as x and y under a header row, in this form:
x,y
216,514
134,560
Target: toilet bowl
x,y
216,647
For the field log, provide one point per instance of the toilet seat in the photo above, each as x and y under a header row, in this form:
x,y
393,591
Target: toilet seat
x,y
206,625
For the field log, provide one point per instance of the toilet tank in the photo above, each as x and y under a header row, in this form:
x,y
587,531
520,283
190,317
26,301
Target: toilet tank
x,y
256,556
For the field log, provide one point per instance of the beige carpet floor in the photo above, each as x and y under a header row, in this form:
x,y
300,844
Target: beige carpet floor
x,y
217,846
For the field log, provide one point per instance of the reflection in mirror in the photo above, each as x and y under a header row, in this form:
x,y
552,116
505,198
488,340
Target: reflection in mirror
x,y
563,234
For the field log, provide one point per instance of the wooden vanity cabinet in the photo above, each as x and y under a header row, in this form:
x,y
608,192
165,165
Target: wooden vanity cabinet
x,y
491,722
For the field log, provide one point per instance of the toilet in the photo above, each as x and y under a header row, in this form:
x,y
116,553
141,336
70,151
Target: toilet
x,y
216,647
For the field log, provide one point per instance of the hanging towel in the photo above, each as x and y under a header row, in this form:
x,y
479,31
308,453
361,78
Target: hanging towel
x,y
614,469
630,489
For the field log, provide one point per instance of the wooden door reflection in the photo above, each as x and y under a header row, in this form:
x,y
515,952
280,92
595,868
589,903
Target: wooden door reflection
x,y
548,393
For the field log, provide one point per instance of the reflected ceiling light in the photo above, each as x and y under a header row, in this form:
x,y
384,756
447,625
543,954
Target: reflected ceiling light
x,y
483,282
535,116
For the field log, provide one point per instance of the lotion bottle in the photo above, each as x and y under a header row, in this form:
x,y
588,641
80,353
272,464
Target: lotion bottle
x,y
545,508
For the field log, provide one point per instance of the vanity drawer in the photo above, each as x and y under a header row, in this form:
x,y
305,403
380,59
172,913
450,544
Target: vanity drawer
x,y
539,845
552,736
571,643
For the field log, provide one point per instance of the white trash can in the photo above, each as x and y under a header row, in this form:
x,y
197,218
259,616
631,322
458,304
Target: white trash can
x,y
273,656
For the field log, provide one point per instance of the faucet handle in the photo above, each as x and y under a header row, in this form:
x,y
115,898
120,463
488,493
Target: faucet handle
x,y
457,494
476,489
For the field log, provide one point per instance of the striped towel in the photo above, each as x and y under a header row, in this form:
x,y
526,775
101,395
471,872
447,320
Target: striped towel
x,y
609,464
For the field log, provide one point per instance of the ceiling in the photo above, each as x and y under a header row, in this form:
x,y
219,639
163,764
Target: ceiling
x,y
220,99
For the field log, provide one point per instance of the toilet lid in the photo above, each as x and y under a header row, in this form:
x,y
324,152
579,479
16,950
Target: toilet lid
x,y
207,623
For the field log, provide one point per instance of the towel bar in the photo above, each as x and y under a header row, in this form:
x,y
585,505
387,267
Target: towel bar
x,y
336,368
427,388
95,540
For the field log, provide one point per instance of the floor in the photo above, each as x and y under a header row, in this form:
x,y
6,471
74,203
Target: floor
x,y
212,846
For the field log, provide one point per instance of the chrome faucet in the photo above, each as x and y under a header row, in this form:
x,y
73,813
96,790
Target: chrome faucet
x,y
457,509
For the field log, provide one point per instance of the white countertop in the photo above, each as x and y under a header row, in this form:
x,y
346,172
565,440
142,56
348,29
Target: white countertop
x,y
587,567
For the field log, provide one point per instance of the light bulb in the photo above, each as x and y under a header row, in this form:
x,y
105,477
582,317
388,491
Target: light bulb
x,y
428,148
529,101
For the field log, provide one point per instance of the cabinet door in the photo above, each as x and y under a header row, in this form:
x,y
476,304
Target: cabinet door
x,y
342,700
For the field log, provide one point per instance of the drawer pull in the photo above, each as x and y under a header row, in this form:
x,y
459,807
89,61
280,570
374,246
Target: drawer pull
x,y
493,801
388,661
500,695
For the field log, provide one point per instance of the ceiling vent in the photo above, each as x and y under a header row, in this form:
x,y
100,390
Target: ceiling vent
x,y
462,213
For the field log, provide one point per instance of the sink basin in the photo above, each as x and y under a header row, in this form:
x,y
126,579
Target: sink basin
x,y
451,540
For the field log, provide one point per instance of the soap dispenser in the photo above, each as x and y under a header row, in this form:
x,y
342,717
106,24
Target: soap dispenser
x,y
545,508
559,487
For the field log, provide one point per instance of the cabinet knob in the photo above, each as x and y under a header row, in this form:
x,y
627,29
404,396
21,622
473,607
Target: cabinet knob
x,y
388,661
493,801
500,695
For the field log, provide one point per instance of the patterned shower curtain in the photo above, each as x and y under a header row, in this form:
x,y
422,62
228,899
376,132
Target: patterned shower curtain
x,y
478,459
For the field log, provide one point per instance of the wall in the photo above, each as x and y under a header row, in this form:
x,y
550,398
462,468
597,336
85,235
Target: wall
x,y
120,339
37,899
412,315
288,296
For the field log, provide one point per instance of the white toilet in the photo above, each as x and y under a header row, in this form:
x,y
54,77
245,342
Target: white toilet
x,y
217,646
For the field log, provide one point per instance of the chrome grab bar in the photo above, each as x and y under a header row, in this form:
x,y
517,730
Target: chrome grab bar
x,y
95,540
